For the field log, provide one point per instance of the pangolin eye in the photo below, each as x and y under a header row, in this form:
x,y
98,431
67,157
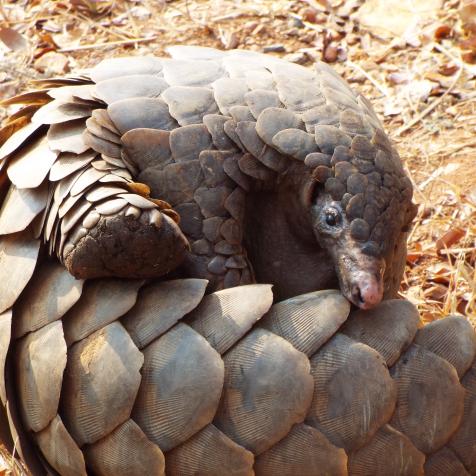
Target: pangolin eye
x,y
332,217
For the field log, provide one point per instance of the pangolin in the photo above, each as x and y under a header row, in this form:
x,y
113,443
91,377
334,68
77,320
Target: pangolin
x,y
278,173
177,184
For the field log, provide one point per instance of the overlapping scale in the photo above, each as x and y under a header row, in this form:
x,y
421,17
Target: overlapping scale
x,y
354,394
49,295
100,383
19,253
134,113
95,128
101,145
102,302
388,328
304,452
67,137
273,120
126,450
25,170
463,441
209,452
225,316
60,450
5,335
186,143
129,86
59,111
187,104
425,383
389,453
160,306
215,124
453,339
297,94
268,388
117,67
444,462
181,386
21,206
295,143
191,72
68,163
229,92
41,360
309,320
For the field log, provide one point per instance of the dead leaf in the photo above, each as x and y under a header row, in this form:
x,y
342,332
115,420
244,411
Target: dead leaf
x,y
330,54
310,14
442,31
393,107
448,69
469,57
449,238
415,254
390,18
140,12
469,44
439,273
443,81
12,39
467,13
400,78
436,293
418,90
52,63
93,7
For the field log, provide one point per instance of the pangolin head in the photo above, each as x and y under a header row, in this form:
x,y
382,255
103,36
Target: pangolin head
x,y
361,206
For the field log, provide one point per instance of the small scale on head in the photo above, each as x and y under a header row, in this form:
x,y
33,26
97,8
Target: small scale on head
x,y
360,206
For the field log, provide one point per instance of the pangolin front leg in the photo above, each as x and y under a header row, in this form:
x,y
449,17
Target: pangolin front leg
x,y
101,223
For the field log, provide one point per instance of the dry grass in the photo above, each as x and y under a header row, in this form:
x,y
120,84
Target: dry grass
x,y
10,466
417,81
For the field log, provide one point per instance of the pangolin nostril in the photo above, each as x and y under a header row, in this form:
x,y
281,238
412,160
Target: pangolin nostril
x,y
359,297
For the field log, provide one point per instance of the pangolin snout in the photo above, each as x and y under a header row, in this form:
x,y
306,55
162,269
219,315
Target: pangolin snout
x,y
361,278
367,292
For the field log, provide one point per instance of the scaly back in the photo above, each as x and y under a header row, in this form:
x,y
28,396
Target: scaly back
x,y
200,130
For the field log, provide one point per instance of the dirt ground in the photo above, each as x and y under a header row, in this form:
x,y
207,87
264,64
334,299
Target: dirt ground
x,y
415,60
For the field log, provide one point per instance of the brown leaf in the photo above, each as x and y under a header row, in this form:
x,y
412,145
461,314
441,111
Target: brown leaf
x,y
448,69
469,44
436,292
439,273
442,31
443,81
412,258
397,18
449,238
469,57
330,54
52,63
400,77
467,13
461,306
93,7
309,14
12,39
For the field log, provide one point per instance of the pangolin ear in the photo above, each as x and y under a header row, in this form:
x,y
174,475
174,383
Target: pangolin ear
x,y
412,211
308,192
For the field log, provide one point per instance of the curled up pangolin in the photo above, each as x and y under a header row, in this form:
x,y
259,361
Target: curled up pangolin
x,y
169,187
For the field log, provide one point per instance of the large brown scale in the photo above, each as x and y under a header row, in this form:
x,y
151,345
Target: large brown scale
x,y
166,179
